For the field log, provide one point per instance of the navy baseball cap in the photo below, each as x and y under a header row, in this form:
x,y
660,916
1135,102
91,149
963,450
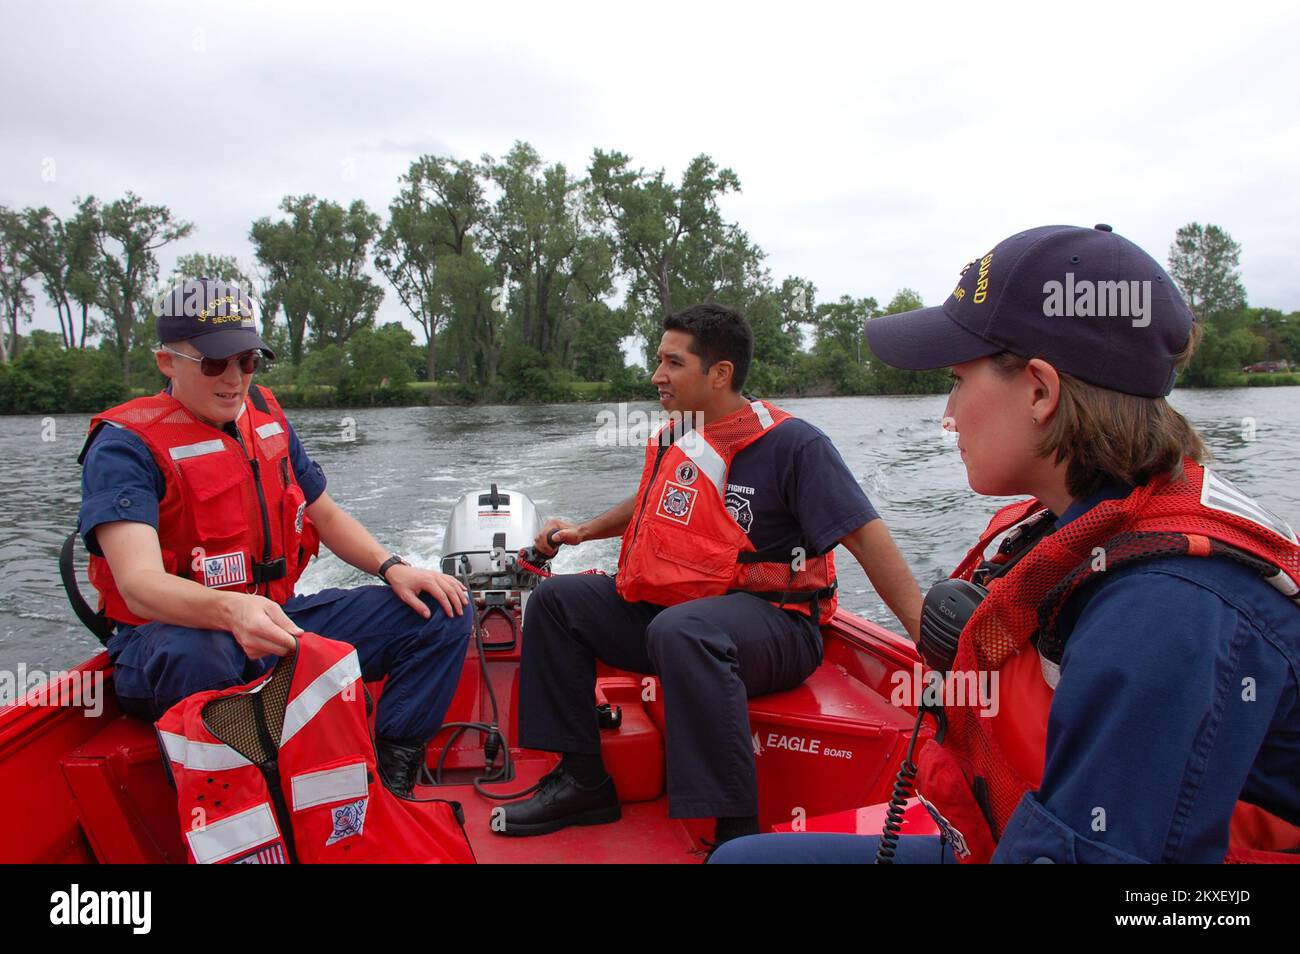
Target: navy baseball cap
x,y
1089,302
218,317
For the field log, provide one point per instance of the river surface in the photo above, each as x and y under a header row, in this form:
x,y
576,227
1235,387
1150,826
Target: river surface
x,y
401,470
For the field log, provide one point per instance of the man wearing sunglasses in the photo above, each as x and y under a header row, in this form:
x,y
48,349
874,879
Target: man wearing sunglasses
x,y
200,509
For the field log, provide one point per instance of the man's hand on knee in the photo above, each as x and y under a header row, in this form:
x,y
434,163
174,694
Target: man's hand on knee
x,y
408,582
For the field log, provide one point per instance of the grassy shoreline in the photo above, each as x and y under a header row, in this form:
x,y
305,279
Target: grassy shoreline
x,y
442,394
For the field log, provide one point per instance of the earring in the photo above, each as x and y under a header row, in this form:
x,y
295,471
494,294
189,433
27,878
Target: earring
x,y
1035,420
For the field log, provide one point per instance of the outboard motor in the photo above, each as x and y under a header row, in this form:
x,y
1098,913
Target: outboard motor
x,y
481,546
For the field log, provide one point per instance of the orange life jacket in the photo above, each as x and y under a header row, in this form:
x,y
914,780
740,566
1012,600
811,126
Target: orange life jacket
x,y
987,763
283,769
682,542
232,517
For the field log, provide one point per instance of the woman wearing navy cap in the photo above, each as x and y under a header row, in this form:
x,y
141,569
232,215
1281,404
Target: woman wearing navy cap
x,y
1144,625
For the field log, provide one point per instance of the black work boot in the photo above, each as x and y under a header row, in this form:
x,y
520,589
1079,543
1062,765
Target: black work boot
x,y
400,761
560,801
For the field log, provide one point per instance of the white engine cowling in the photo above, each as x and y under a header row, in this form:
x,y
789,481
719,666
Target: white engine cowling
x,y
485,532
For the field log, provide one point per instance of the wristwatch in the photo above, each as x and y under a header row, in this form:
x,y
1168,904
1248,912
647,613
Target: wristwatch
x,y
384,567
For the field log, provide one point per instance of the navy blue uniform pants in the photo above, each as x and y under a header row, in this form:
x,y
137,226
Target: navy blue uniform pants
x,y
157,664
710,655
809,848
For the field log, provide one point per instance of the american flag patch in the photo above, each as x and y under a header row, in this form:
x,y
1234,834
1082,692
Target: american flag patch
x,y
272,854
224,570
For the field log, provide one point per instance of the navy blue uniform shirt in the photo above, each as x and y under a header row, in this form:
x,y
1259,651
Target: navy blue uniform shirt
x,y
791,487
1178,695
121,481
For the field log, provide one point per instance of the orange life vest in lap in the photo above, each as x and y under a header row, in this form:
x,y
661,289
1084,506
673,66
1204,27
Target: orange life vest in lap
x,y
986,764
683,544
283,770
232,517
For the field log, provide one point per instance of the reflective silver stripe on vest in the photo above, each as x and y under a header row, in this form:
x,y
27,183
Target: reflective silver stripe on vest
x,y
201,756
708,460
219,840
331,785
1285,585
186,451
323,688
764,417
270,430
1220,494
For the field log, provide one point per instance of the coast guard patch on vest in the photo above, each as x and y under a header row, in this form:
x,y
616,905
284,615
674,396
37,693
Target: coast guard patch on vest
x,y
677,503
349,820
224,570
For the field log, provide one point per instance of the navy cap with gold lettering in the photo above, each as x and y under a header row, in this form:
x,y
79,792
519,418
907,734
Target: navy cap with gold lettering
x,y
219,318
1089,302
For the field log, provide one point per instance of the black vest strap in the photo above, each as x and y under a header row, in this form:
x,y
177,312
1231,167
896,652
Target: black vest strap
x,y
781,553
793,596
81,458
258,398
266,572
97,623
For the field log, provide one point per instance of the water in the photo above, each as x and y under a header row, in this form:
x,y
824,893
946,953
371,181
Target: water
x,y
406,467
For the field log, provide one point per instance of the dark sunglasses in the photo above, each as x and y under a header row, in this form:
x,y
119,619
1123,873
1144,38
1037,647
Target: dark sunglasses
x,y
249,362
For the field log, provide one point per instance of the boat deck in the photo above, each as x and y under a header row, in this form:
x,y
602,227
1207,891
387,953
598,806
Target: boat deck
x,y
96,789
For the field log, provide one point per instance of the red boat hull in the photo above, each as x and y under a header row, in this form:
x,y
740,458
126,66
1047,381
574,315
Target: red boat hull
x,y
87,789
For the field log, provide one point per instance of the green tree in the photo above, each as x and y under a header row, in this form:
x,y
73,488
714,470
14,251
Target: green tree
x,y
670,240
1271,327
478,308
48,378
128,235
905,299
81,253
223,267
774,316
597,344
839,328
378,362
545,239
1282,332
15,270
429,225
1204,262
64,257
890,380
315,261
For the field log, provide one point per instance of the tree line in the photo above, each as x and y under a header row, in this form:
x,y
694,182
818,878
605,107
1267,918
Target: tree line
x,y
521,277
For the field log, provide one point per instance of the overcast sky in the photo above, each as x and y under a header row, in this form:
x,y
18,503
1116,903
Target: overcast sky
x,y
876,148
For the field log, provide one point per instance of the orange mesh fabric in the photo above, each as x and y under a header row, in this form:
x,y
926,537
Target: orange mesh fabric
x,y
816,574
